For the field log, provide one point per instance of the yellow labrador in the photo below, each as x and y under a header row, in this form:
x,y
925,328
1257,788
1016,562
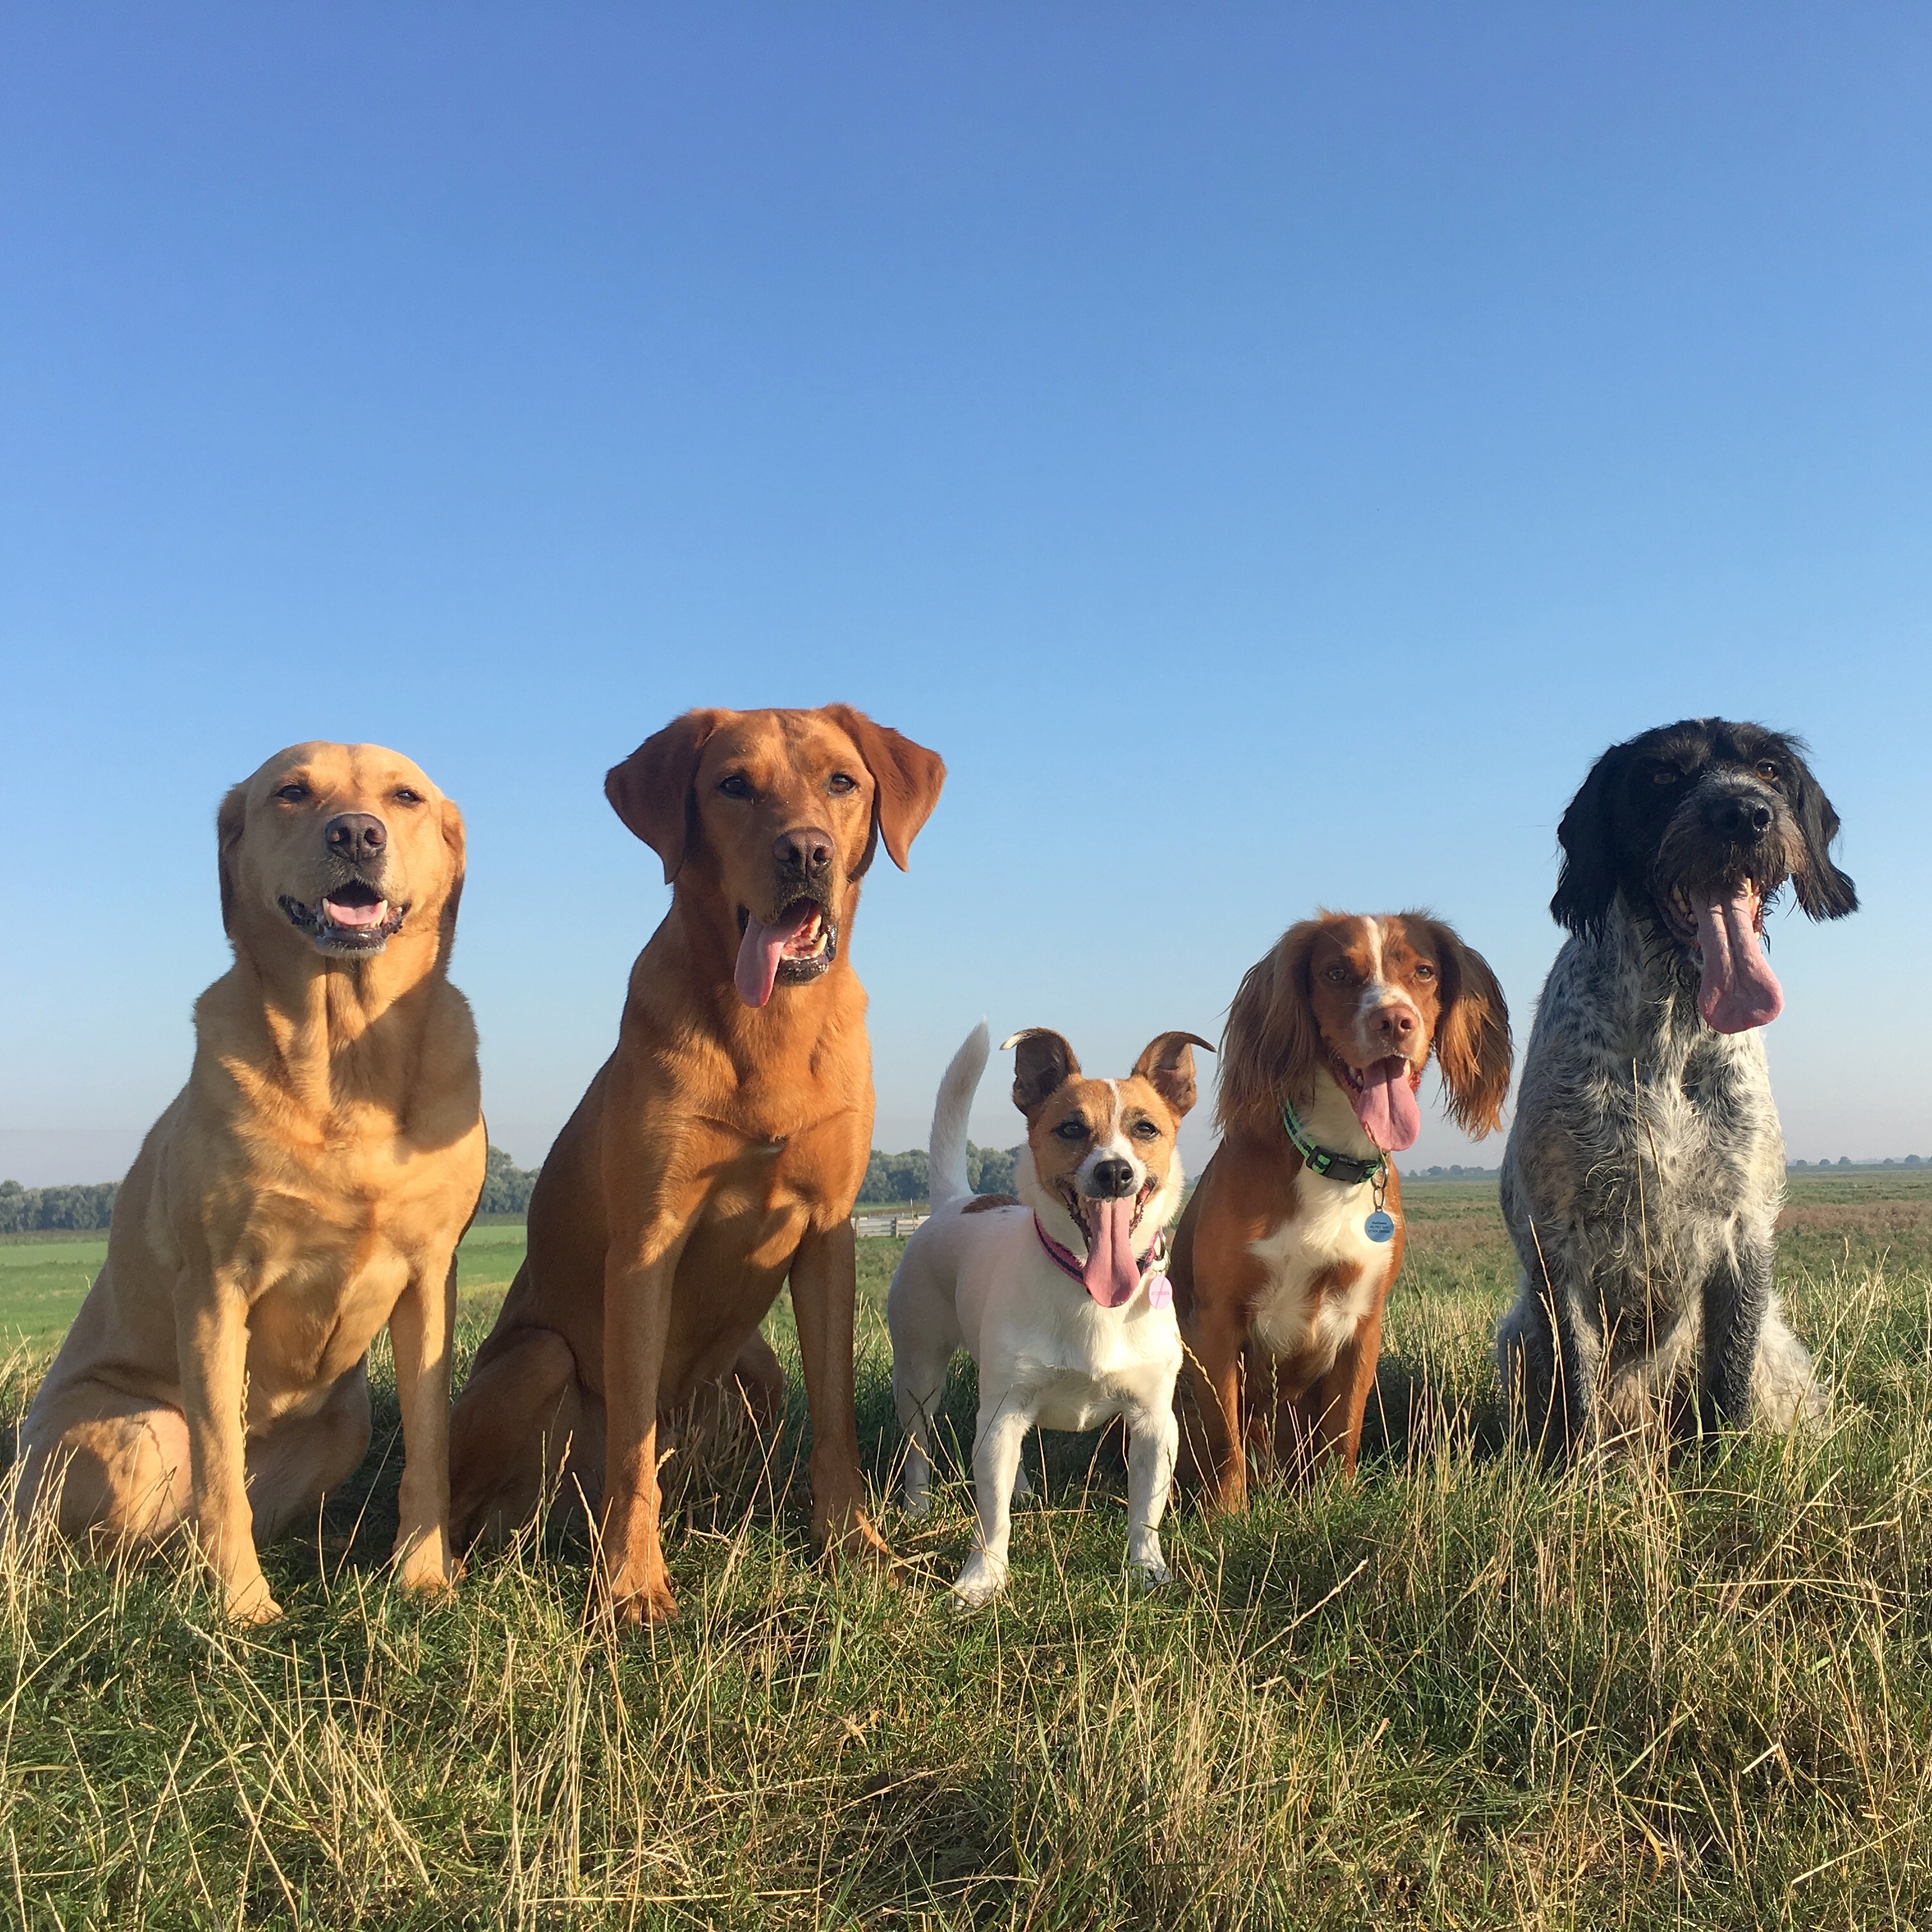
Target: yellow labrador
x,y
310,1184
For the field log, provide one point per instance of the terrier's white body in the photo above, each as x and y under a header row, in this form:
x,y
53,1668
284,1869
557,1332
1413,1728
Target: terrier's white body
x,y
977,1277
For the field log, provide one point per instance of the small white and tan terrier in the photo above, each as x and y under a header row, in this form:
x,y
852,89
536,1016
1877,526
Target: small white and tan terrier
x,y
1060,1296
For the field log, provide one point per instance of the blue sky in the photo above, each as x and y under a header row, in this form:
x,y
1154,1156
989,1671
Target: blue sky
x,y
1268,452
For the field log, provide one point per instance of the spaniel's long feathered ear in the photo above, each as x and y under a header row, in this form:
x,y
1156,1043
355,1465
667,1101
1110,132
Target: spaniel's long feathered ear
x,y
228,820
1167,1065
906,781
1472,1035
1823,892
1587,885
650,791
1043,1062
1271,1047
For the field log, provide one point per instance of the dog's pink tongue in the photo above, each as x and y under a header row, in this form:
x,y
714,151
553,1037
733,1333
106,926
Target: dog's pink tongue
x,y
1738,990
1386,1106
1110,1274
339,914
759,952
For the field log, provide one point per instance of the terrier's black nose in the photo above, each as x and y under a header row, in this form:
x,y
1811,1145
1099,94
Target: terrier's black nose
x,y
356,835
1111,1179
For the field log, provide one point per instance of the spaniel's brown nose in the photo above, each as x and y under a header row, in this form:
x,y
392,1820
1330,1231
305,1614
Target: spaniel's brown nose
x,y
356,835
806,850
1394,1025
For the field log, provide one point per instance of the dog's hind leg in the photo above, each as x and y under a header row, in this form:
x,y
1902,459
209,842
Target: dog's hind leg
x,y
520,1415
920,1364
293,1466
1737,1298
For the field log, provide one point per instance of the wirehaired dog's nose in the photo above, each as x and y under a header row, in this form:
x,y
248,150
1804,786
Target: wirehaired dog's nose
x,y
1741,817
807,850
1110,1179
356,835
1394,1025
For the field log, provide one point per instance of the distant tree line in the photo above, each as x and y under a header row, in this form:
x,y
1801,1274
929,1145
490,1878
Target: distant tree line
x,y
34,1210
506,1186
907,1176
85,1210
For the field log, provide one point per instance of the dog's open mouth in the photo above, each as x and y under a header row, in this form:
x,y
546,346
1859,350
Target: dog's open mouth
x,y
1722,926
1111,1273
1086,1220
1383,1095
799,945
351,918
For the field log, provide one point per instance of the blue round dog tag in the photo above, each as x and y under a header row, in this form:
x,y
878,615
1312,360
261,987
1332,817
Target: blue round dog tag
x,y
1380,1225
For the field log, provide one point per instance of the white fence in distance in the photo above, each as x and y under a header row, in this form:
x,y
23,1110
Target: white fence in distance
x,y
873,1226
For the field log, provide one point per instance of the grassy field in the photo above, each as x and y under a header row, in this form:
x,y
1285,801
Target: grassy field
x,y
1457,1692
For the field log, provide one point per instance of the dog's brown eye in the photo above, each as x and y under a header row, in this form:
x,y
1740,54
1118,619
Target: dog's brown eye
x,y
1767,770
842,781
1337,975
1664,775
403,795
735,786
1146,1130
293,794
1425,971
1072,1130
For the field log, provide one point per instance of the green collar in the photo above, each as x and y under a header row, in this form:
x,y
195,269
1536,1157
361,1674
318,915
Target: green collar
x,y
1325,1161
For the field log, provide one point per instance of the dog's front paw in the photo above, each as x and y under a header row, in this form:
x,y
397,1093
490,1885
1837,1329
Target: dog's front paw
x,y
248,1601
638,1595
980,1582
852,1539
915,1508
1154,1576
424,1567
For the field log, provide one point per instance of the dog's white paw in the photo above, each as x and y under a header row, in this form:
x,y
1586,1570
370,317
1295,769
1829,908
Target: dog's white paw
x,y
916,1508
1152,1575
978,1584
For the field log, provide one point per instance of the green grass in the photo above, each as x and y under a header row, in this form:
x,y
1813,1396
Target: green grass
x,y
1456,1693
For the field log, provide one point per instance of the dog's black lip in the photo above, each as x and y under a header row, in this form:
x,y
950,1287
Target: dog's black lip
x,y
1070,1197
799,972
312,921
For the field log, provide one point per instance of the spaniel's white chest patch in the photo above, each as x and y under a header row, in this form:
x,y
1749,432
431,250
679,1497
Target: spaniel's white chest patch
x,y
1326,1232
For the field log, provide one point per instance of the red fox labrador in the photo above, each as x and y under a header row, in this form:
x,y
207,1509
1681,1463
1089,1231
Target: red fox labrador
x,y
719,1150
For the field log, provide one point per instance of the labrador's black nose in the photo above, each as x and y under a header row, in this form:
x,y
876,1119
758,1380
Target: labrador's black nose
x,y
808,849
1110,1179
356,835
1741,818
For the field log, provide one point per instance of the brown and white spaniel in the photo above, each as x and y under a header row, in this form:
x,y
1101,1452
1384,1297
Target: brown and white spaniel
x,y
1291,1241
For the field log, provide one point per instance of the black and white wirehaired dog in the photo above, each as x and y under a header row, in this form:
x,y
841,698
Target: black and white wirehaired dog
x,y
1644,1172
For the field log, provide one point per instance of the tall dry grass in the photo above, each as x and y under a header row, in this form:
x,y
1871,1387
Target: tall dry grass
x,y
1457,1692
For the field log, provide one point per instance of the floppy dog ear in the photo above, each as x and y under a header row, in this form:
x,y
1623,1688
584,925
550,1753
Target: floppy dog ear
x,y
455,837
1167,1065
1822,890
906,779
1043,1062
1271,1046
1472,1037
228,820
1588,883
650,791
